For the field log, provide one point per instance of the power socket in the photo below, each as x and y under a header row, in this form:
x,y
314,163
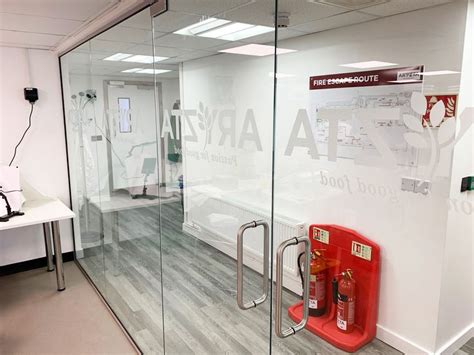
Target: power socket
x,y
31,94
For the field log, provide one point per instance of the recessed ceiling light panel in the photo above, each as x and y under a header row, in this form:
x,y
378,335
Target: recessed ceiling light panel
x,y
249,32
208,26
118,57
147,59
201,26
223,29
153,71
133,70
226,30
258,50
368,64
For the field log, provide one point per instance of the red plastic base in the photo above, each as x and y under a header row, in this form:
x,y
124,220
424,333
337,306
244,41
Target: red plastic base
x,y
325,327
342,248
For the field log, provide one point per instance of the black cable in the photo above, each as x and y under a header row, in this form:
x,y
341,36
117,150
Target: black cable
x,y
7,192
300,268
23,136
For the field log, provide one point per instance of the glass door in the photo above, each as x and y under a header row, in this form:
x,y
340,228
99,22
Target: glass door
x,y
368,98
216,129
275,176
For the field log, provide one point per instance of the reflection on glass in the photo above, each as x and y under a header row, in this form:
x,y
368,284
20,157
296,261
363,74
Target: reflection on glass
x,y
181,134
124,115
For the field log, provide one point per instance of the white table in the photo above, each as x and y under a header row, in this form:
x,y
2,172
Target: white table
x,y
47,212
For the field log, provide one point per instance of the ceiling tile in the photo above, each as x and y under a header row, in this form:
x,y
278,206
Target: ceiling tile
x,y
62,9
225,45
399,6
262,12
27,23
345,19
147,49
190,42
283,33
205,7
191,55
142,20
126,34
99,45
172,21
28,38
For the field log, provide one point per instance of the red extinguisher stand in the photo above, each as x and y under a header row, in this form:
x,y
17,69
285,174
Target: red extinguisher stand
x,y
346,250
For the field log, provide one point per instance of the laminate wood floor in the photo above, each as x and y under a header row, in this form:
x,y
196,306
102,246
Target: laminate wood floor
x,y
198,285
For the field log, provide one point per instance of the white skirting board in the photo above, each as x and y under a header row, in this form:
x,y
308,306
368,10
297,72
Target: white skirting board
x,y
408,347
399,342
457,341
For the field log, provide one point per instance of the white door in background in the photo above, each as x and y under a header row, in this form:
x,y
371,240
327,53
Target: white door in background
x,y
132,135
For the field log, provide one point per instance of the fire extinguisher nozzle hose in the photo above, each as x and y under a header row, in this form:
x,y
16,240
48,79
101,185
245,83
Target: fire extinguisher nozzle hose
x,y
334,290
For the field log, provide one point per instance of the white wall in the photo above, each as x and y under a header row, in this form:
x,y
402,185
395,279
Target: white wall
x,y
42,156
411,228
456,315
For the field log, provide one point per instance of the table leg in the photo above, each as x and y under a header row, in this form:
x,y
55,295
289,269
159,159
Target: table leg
x,y
115,243
59,256
48,246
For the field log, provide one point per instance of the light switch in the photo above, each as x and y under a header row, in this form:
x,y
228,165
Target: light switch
x,y
422,186
416,185
408,184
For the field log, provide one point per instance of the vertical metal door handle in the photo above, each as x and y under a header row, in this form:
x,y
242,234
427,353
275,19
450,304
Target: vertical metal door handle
x,y
279,285
240,264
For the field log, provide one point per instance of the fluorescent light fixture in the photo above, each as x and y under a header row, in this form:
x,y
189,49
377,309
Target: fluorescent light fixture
x,y
208,26
201,26
369,64
439,72
249,32
118,57
153,71
226,30
147,59
258,50
223,29
134,70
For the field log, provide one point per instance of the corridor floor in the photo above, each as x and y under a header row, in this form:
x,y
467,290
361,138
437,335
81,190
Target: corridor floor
x,y
37,319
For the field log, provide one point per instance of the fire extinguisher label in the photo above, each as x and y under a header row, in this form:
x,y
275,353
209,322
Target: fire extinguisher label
x,y
362,251
345,313
321,235
317,290
341,324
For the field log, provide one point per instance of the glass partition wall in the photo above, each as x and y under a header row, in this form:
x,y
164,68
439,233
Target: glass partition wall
x,y
215,145
112,103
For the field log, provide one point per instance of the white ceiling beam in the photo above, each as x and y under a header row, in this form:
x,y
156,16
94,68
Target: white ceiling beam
x,y
105,19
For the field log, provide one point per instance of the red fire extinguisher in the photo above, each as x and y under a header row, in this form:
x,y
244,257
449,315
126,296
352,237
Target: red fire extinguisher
x,y
317,283
344,297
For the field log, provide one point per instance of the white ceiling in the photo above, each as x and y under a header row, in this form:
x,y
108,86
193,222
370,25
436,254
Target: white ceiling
x,y
43,23
134,35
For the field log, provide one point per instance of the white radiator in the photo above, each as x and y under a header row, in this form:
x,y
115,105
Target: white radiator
x,y
216,222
